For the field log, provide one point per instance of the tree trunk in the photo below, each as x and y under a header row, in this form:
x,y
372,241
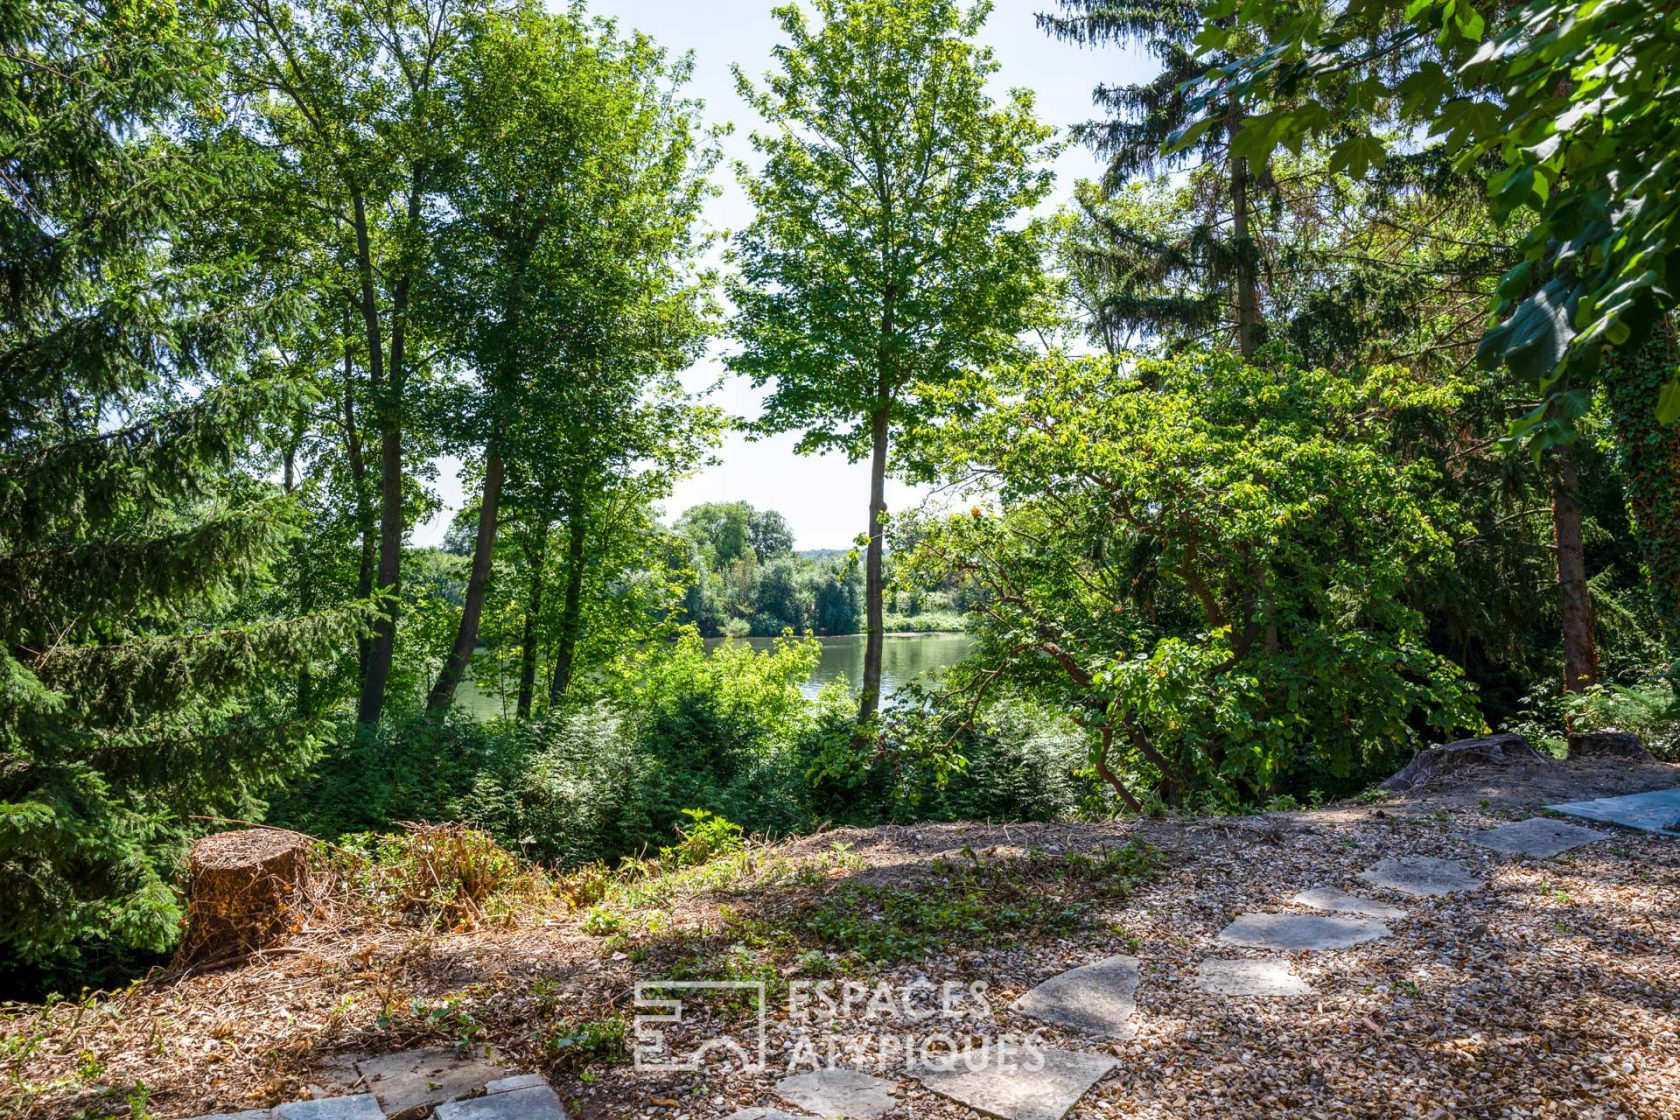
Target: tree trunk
x,y
376,669
1242,248
383,649
1580,657
571,615
869,701
478,584
528,633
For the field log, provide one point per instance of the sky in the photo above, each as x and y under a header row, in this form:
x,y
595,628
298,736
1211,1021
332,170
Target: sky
x,y
824,498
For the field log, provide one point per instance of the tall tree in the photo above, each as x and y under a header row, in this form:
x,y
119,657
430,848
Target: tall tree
x,y
133,696
349,99
576,194
886,255
1210,259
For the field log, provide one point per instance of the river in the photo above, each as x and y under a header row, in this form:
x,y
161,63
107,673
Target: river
x,y
904,658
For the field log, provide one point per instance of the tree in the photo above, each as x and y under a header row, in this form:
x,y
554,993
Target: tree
x,y
770,534
1203,272
1569,108
133,696
347,99
1206,562
576,193
886,255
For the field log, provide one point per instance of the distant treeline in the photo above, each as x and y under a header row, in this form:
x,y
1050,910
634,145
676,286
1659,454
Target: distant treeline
x,y
748,580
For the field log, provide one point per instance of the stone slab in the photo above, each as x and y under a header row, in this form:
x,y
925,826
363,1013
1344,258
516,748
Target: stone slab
x,y
1250,978
1329,898
1657,811
1096,999
247,1114
521,1081
838,1092
361,1106
537,1102
1289,932
1539,837
1425,876
1012,1090
763,1114
410,1083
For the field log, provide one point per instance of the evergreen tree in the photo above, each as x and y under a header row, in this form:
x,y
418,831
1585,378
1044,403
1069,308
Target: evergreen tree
x,y
131,695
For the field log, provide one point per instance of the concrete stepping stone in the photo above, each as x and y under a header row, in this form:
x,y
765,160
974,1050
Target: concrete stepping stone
x,y
416,1081
1096,999
247,1114
1421,875
1250,978
1289,932
1008,1087
1329,898
522,1081
534,1102
361,1106
1537,837
838,1092
1657,811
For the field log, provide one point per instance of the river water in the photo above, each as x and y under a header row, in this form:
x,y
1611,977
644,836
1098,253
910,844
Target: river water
x,y
904,658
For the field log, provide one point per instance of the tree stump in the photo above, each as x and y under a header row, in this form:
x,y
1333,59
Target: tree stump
x,y
1607,744
1465,754
246,889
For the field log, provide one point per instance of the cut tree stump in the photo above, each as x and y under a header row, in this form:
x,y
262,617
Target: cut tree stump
x,y
1465,754
1607,744
247,888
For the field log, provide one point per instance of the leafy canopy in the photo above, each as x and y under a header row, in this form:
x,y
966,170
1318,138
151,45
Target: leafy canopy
x,y
1568,108
1207,562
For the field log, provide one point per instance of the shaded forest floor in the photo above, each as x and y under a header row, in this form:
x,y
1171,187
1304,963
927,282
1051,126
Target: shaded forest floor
x,y
1554,991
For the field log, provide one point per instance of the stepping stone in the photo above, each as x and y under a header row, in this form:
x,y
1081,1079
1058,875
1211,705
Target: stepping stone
x,y
1329,898
416,1081
1096,999
764,1114
1537,836
1657,811
1250,978
1288,932
838,1092
1008,1087
523,1081
536,1102
362,1106
248,1114
1421,875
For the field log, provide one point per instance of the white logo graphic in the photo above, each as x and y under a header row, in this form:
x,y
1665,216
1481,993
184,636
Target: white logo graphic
x,y
657,1017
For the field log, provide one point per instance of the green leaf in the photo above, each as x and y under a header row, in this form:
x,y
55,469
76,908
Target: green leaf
x,y
1668,401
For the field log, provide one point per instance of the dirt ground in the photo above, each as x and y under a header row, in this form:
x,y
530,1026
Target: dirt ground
x,y
1553,991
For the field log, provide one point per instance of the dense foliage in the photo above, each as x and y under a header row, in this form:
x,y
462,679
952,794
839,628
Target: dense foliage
x,y
1208,563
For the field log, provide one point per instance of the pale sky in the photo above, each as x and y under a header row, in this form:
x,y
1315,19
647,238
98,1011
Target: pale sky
x,y
823,497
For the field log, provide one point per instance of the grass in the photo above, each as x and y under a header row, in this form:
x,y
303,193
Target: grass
x,y
972,898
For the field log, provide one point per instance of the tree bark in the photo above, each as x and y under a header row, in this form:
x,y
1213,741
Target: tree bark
x,y
528,633
1580,655
376,668
571,615
478,585
869,700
